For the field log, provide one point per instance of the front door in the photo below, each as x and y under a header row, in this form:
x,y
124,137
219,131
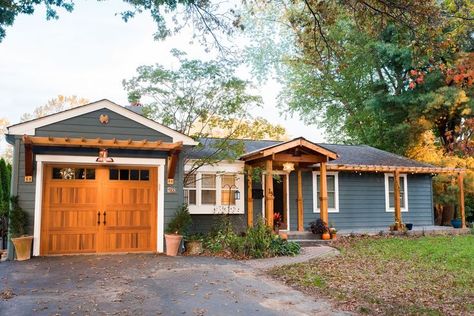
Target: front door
x,y
98,209
280,196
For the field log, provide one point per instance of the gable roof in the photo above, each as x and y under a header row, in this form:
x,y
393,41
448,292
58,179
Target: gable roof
x,y
347,154
29,127
282,146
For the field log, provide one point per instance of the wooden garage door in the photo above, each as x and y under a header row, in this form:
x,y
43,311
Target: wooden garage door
x,y
89,209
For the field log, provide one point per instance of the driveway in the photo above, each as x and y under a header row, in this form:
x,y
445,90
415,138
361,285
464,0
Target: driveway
x,y
146,284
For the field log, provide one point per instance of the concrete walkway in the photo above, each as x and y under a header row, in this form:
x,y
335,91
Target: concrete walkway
x,y
307,253
148,284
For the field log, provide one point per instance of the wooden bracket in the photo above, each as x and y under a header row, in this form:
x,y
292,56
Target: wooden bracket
x,y
172,163
28,162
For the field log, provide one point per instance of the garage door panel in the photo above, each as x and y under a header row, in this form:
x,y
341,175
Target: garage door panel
x,y
72,243
128,218
127,195
72,195
68,219
119,241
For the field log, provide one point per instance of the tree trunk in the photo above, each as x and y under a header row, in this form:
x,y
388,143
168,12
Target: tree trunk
x,y
448,214
438,214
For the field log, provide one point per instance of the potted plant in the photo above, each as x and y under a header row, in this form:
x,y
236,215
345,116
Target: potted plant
x,y
276,222
194,244
321,228
456,222
176,228
333,233
18,219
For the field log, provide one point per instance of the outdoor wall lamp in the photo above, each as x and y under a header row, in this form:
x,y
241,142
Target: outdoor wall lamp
x,y
104,156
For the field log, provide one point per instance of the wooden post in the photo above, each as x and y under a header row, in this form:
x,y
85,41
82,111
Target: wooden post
x,y
462,211
249,198
269,193
299,201
323,193
396,199
285,202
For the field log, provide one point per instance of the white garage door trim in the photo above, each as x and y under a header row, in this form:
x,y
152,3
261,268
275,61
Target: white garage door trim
x,y
148,162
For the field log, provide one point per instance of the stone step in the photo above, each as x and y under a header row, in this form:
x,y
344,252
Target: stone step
x,y
311,243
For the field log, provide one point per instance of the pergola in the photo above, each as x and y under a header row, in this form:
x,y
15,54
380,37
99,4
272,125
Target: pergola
x,y
173,149
305,155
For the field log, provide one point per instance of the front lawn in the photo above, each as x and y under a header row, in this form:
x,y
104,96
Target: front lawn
x,y
393,275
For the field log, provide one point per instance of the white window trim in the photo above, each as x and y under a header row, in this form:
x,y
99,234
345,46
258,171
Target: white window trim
x,y
405,193
224,168
151,162
316,208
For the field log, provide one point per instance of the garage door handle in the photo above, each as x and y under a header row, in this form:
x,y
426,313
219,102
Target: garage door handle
x,y
105,214
98,218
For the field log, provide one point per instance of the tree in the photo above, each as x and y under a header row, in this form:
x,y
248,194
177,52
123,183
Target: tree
x,y
381,73
57,104
5,179
206,17
196,99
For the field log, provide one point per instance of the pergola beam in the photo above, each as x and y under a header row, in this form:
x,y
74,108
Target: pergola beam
x,y
461,199
269,193
101,143
396,200
391,169
323,193
299,201
249,198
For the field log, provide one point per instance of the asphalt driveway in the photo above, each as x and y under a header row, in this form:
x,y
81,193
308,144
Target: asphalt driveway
x,y
146,284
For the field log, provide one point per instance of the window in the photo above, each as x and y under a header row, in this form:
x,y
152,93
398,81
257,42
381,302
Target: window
x,y
332,179
73,174
190,189
129,174
213,189
228,189
208,189
389,193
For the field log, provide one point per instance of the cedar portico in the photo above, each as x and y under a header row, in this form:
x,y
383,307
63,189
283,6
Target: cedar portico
x,y
300,154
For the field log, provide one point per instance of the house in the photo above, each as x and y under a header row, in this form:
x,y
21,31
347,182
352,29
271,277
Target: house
x,y
103,178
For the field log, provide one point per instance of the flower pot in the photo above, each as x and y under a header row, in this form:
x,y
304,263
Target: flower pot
x,y
457,223
173,241
409,226
326,236
333,235
23,247
194,247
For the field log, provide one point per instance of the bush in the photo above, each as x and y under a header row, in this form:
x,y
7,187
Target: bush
x,y
18,219
257,242
181,221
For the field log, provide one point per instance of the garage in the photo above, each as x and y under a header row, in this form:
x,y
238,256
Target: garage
x,y
98,209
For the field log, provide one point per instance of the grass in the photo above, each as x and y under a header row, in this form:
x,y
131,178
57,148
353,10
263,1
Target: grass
x,y
393,275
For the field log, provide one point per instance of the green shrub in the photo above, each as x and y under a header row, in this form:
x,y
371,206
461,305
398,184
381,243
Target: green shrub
x,y
181,221
18,219
258,242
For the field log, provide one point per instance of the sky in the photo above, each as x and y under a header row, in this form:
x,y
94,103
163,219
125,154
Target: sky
x,y
89,52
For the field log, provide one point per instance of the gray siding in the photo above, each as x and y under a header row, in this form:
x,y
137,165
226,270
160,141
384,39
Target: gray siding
x,y
88,126
362,201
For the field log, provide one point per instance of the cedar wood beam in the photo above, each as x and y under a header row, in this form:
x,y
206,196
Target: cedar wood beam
x,y
101,143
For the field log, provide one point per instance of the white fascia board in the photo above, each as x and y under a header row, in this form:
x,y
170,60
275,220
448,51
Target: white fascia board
x,y
28,128
220,167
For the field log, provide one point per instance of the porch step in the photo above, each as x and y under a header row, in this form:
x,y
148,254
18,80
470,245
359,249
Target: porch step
x,y
311,243
302,236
